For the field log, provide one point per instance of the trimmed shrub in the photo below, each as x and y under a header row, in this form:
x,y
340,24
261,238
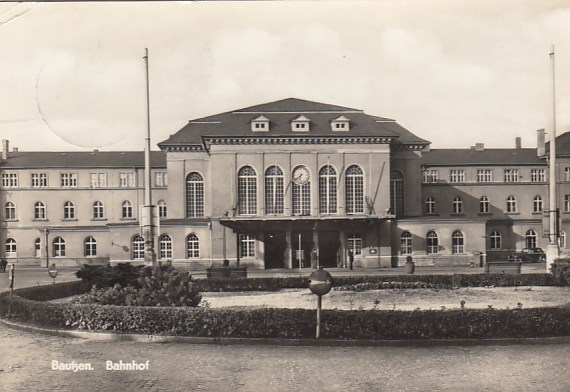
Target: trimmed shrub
x,y
560,269
123,274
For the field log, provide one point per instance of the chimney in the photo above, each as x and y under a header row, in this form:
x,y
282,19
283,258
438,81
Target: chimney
x,y
479,146
5,149
540,146
14,149
518,142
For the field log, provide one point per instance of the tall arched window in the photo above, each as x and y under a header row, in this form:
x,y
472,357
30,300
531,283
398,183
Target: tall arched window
x,y
68,210
406,243
98,210
537,204
327,190
354,190
274,190
530,239
247,191
562,239
457,242
165,247
484,205
162,209
496,240
11,247
58,247
511,204
301,192
137,246
432,242
127,210
10,211
38,247
457,205
90,247
192,247
40,212
194,195
430,205
397,192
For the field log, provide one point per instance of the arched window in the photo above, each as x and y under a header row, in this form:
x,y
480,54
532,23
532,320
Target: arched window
x,y
247,191
496,240
301,193
530,239
511,204
562,239
192,247
90,247
162,210
58,247
397,192
274,190
98,210
11,247
137,246
40,212
457,242
194,195
68,210
354,190
432,242
457,205
430,205
327,190
484,207
38,247
10,211
406,243
165,247
127,210
537,204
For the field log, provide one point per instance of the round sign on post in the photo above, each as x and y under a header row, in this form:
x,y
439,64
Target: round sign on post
x,y
52,272
320,282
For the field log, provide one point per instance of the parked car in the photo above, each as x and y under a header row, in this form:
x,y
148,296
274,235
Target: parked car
x,y
530,255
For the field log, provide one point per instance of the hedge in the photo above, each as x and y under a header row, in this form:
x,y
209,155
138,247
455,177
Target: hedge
x,y
288,323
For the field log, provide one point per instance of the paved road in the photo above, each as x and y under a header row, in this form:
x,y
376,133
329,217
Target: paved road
x,y
26,365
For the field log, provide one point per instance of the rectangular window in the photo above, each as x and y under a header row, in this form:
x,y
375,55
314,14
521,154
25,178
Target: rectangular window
x,y
511,175
567,174
98,180
68,180
484,175
430,175
537,175
355,244
160,179
566,203
457,176
127,180
9,180
247,245
39,180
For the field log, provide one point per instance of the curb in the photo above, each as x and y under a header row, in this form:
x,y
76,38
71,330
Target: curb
x,y
109,337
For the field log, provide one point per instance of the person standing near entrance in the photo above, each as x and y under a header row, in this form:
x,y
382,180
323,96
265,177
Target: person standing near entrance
x,y
350,258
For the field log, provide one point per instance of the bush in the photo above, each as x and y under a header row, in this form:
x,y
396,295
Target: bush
x,y
160,286
560,269
124,274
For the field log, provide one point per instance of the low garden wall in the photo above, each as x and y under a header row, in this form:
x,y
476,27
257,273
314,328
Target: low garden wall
x,y
28,305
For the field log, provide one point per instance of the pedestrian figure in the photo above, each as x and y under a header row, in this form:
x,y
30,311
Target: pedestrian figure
x,y
3,265
351,258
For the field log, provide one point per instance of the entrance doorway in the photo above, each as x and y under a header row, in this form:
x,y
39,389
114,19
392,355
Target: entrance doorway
x,y
275,246
329,246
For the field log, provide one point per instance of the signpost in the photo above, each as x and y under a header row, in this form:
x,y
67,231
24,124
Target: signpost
x,y
11,277
320,283
52,272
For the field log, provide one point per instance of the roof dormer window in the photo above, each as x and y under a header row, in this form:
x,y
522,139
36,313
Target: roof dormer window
x,y
260,124
340,124
300,124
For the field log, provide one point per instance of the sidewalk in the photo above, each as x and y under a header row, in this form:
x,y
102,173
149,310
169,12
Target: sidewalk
x,y
26,276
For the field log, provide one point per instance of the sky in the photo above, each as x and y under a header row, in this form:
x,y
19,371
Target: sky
x,y
457,72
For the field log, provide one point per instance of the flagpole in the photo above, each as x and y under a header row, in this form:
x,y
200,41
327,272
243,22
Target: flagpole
x,y
147,220
552,251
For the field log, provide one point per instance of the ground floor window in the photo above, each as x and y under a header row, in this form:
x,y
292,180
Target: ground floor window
x,y
193,246
531,239
58,247
432,243
457,243
11,247
138,247
247,245
562,240
165,247
495,240
406,243
38,247
355,244
90,247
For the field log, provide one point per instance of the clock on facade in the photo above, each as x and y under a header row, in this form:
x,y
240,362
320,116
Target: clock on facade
x,y
301,175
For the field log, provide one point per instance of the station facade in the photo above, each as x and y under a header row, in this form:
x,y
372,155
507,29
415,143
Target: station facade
x,y
287,184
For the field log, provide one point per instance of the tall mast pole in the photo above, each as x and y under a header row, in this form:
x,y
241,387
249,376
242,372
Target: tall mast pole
x,y
148,215
552,251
